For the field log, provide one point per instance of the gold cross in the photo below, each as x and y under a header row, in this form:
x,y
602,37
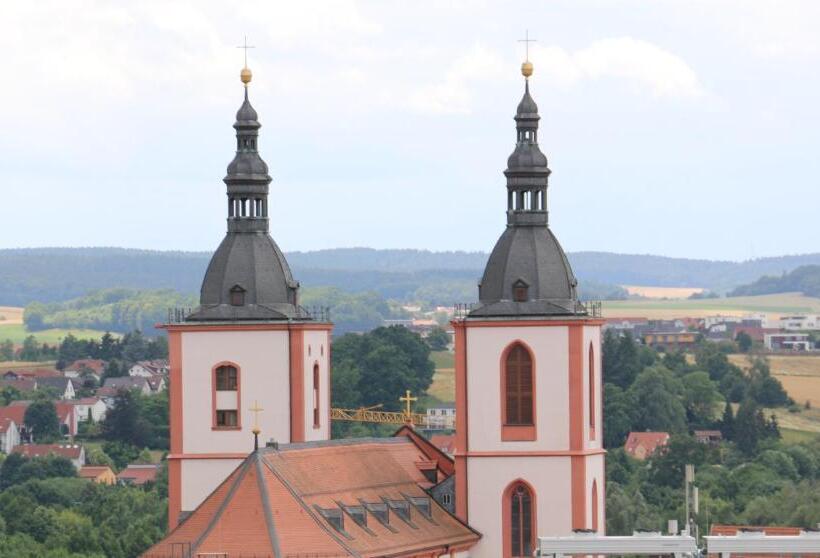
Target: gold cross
x,y
526,40
246,47
256,409
407,399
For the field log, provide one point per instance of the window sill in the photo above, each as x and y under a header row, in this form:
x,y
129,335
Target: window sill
x,y
226,428
518,433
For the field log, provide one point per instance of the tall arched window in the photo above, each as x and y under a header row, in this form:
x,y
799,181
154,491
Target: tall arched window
x,y
316,395
518,387
591,392
594,506
519,521
225,403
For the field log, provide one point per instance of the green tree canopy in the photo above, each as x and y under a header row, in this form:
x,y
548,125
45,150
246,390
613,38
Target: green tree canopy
x,y
41,419
657,395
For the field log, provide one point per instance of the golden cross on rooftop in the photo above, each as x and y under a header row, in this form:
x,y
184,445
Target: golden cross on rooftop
x,y
407,399
246,47
256,409
526,40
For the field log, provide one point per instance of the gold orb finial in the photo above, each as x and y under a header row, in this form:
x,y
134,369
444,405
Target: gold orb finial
x,y
245,75
526,68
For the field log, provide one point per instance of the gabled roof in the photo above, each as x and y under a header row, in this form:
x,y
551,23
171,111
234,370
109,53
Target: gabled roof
x,y
21,384
94,364
14,412
650,441
125,382
276,503
137,473
56,383
69,451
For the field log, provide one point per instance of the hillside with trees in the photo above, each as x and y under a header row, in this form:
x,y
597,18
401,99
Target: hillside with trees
x,y
59,274
805,279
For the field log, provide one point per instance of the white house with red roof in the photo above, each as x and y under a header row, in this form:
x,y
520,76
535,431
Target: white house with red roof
x,y
9,434
73,452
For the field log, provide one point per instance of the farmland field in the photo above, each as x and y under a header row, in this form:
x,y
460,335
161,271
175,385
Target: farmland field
x,y
662,292
775,305
17,333
11,315
799,374
444,380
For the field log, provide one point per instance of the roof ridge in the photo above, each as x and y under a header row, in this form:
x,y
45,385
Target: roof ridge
x,y
221,509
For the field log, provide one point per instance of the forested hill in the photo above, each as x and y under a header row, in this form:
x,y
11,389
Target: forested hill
x,y
57,274
804,279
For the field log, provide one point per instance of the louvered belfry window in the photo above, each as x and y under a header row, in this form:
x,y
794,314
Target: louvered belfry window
x,y
518,385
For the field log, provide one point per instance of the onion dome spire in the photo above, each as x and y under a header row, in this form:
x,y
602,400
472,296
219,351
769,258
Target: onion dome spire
x,y
528,273
248,277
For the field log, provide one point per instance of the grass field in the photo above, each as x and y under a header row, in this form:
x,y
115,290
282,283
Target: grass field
x,y
662,292
799,374
444,380
10,315
17,333
776,305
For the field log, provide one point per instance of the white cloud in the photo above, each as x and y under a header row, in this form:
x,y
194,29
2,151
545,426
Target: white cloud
x,y
632,60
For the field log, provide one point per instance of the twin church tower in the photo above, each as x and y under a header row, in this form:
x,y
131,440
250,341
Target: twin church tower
x,y
529,456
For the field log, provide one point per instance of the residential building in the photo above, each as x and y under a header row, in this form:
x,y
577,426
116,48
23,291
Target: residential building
x,y
100,474
148,368
156,383
138,474
63,387
788,342
114,385
73,452
641,445
442,417
709,437
22,385
803,322
65,415
77,368
17,414
93,407
671,340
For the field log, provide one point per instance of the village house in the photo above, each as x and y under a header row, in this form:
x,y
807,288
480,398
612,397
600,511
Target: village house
x,y
642,445
88,407
63,387
125,383
101,474
805,322
148,368
670,339
16,414
23,385
65,415
138,474
94,366
708,437
788,342
73,452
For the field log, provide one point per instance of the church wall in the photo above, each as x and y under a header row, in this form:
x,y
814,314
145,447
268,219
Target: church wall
x,y
262,358
595,472
317,351
485,346
592,334
549,476
202,476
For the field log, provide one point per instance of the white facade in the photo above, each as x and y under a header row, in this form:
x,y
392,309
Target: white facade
x,y
9,436
562,462
805,322
96,406
266,360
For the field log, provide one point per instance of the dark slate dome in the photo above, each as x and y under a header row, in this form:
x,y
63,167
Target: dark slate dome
x,y
247,114
528,257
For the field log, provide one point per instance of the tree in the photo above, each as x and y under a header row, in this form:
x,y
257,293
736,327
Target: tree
x,y
124,422
96,456
744,341
30,350
667,465
7,350
618,416
621,360
700,395
41,420
747,430
656,394
438,339
727,422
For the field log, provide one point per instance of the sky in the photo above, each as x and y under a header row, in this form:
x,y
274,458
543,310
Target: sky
x,y
686,129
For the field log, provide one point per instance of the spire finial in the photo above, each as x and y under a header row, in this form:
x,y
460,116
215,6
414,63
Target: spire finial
x,y
245,75
526,66
256,409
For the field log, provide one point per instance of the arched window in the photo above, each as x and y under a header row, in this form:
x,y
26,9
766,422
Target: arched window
x,y
591,392
518,387
594,506
225,403
316,395
519,521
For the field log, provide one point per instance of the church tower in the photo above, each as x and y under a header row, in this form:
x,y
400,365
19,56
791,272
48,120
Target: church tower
x,y
248,345
529,454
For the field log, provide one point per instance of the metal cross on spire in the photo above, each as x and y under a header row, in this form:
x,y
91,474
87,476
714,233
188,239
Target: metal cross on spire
x,y
245,46
526,40
408,400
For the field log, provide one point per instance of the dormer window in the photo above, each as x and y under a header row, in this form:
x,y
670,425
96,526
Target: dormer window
x,y
237,296
520,291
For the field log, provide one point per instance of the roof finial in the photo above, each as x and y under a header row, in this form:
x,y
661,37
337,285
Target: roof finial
x,y
245,75
256,430
526,66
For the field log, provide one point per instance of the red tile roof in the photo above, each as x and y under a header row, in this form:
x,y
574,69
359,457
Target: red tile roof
x,y
271,504
137,473
14,412
22,384
69,451
94,364
643,444
92,471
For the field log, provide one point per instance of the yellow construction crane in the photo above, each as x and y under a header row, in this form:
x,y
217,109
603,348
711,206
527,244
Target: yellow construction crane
x,y
371,414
